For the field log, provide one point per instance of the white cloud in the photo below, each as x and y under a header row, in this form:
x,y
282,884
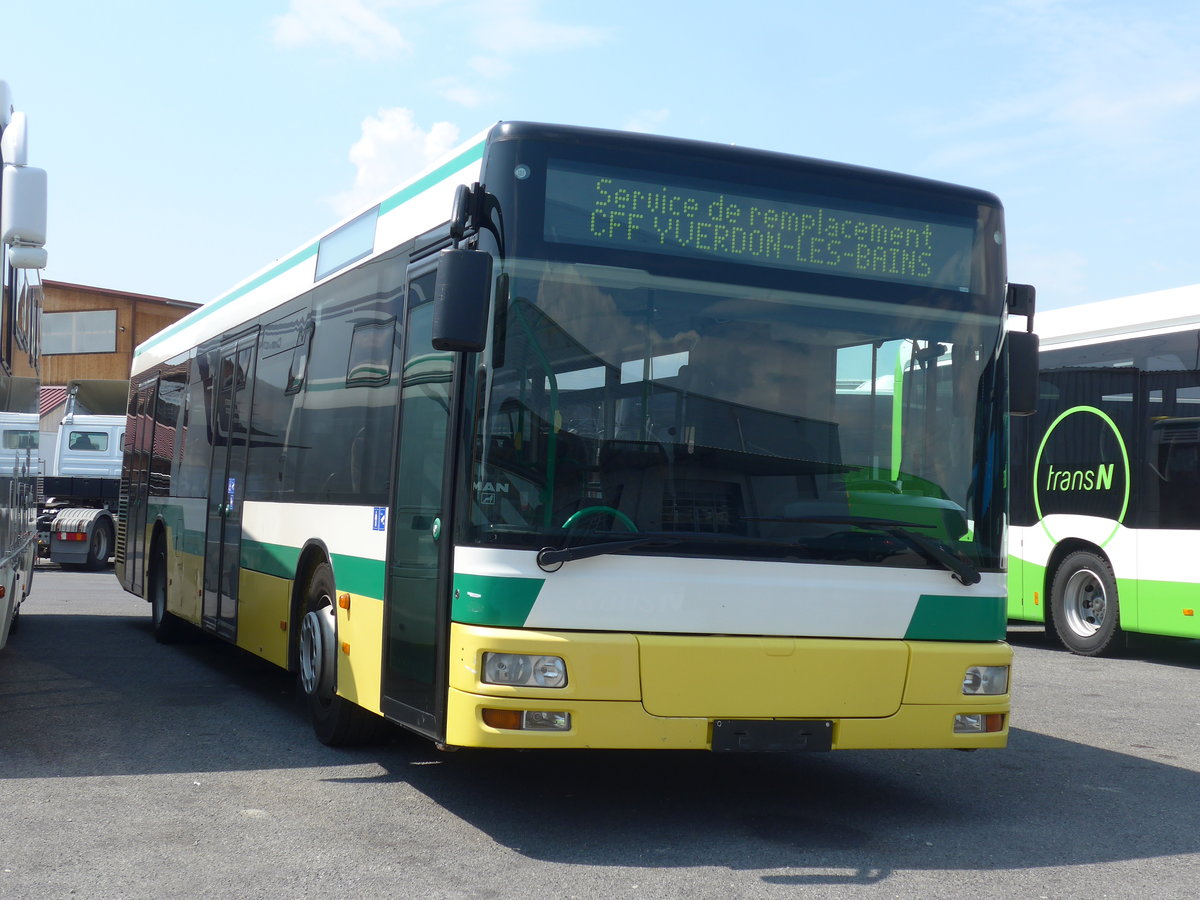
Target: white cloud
x,y
360,26
391,149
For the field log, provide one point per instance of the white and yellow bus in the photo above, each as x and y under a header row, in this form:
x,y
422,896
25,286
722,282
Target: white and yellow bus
x,y
576,440
1106,475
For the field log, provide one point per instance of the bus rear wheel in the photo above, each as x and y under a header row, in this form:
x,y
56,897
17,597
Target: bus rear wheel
x,y
336,721
1084,604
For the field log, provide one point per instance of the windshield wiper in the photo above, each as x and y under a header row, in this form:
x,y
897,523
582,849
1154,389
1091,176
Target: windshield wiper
x,y
961,568
932,549
550,560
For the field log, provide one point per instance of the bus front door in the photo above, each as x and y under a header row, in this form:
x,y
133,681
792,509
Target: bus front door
x,y
233,381
414,656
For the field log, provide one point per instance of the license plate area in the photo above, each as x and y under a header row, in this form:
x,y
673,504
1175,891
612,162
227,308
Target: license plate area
x,y
763,735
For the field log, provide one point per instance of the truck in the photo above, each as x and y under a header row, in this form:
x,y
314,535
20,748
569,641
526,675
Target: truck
x,y
78,516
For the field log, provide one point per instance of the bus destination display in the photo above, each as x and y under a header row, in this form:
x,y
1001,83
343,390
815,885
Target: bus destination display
x,y
608,208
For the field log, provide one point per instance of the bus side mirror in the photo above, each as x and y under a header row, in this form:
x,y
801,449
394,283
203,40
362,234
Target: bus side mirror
x,y
23,216
1022,373
1021,299
460,311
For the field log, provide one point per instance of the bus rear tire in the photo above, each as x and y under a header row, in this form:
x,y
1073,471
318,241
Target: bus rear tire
x,y
336,721
1084,604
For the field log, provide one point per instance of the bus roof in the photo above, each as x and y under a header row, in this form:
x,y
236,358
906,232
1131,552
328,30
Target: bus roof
x,y
1157,312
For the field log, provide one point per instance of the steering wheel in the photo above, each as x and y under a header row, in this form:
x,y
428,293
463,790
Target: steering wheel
x,y
589,511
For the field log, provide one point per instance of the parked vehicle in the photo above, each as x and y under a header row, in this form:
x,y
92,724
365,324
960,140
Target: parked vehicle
x,y
77,517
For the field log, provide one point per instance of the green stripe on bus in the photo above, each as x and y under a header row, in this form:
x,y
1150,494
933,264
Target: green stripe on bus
x,y
491,600
939,618
270,559
351,573
360,576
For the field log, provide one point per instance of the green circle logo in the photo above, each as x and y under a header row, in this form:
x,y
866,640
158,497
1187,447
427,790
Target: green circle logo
x,y
1082,468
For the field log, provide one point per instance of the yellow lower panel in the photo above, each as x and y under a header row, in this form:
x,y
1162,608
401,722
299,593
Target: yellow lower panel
x,y
185,588
772,677
262,615
627,726
360,654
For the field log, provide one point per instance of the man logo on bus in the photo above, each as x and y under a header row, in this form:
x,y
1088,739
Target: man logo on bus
x,y
488,491
1082,469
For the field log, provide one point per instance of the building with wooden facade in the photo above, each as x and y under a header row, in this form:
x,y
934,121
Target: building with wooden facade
x,y
90,333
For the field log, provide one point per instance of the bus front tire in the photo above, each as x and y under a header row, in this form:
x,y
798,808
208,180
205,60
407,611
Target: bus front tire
x,y
168,628
1084,604
336,721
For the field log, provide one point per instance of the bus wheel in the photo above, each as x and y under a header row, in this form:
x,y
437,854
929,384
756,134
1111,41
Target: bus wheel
x,y
336,721
168,628
100,545
1083,601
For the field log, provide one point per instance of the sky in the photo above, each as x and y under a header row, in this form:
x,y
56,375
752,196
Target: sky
x,y
189,144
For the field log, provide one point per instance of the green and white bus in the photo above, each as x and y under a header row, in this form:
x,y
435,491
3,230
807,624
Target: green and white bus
x,y
582,439
1106,475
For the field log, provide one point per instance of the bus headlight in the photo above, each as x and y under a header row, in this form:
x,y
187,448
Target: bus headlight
x,y
527,671
988,680
527,719
978,723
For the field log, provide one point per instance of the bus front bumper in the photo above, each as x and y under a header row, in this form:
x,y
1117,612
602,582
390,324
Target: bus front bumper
x,y
693,692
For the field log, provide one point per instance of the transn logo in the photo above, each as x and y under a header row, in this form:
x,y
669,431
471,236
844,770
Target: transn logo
x,y
1099,479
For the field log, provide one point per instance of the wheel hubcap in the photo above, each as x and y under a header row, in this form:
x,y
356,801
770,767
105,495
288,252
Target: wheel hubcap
x,y
317,641
1086,603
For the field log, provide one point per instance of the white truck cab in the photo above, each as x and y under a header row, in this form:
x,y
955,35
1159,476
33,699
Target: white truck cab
x,y
90,447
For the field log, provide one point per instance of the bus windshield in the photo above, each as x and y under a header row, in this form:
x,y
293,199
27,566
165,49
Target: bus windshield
x,y
732,420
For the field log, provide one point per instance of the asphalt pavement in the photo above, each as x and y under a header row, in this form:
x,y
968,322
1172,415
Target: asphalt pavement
x,y
129,769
